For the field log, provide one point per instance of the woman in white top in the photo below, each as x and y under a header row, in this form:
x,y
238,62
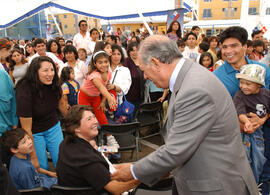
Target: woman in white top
x,y
121,78
18,65
71,59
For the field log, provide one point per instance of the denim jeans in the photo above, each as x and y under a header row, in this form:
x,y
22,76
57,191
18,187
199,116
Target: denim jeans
x,y
265,176
254,147
51,140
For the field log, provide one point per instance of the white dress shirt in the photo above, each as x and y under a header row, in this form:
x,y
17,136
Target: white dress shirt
x,y
80,41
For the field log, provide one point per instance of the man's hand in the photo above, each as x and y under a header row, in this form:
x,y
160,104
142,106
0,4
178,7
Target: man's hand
x,y
122,172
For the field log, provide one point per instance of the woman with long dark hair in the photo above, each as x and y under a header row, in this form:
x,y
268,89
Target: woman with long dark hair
x,y
54,47
135,94
18,65
121,78
174,31
38,97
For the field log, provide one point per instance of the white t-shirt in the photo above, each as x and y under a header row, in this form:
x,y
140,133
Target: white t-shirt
x,y
82,42
122,80
92,45
50,55
80,71
192,54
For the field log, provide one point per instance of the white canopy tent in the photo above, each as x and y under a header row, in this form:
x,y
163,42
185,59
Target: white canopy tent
x,y
14,11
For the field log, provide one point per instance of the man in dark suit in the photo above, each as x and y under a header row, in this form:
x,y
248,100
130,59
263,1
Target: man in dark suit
x,y
203,146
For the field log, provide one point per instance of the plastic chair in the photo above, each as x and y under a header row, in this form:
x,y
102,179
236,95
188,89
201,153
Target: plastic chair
x,y
65,190
163,187
149,114
36,191
129,134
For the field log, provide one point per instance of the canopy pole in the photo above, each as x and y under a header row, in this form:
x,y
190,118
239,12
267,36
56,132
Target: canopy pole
x,y
5,32
40,33
145,24
142,18
57,26
244,14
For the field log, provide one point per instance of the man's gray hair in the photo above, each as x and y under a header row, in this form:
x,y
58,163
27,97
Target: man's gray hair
x,y
159,47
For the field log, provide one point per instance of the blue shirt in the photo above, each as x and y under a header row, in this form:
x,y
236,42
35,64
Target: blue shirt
x,y
175,73
8,116
153,87
226,74
25,176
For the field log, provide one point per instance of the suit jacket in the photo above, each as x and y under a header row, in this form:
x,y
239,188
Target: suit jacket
x,y
203,146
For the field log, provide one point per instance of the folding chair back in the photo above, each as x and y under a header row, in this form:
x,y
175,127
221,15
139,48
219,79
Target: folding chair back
x,y
149,115
126,135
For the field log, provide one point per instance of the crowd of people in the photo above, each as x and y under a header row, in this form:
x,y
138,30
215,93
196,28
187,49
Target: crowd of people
x,y
74,86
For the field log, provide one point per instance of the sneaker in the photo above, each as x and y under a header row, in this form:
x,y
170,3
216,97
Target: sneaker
x,y
112,142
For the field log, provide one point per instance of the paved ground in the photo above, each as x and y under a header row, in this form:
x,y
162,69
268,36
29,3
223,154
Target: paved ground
x,y
147,146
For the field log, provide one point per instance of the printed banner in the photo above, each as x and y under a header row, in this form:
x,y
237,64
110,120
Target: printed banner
x,y
177,14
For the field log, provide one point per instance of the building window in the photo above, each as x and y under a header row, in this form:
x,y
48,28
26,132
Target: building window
x,y
252,11
229,0
207,13
268,11
207,0
232,11
65,16
66,26
225,10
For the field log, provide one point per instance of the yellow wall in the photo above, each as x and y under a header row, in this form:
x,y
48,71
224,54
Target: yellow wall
x,y
72,24
217,6
92,22
133,27
66,20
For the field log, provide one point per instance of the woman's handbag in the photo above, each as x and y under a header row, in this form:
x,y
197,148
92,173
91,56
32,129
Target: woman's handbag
x,y
124,111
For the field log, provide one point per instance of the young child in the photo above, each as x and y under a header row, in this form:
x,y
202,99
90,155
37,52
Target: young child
x,y
203,47
191,49
181,45
206,60
22,172
258,47
220,58
70,87
252,100
249,50
95,85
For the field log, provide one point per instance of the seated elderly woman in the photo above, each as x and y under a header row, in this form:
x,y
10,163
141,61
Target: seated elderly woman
x,y
79,163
